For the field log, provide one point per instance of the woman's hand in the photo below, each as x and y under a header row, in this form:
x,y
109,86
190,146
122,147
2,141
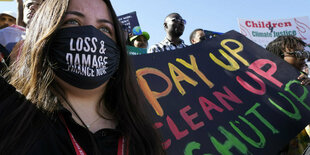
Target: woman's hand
x,y
305,80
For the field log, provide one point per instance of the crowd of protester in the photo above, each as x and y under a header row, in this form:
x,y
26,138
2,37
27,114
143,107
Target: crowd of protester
x,y
26,64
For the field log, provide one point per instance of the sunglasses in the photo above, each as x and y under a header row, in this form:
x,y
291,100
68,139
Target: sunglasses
x,y
300,54
179,20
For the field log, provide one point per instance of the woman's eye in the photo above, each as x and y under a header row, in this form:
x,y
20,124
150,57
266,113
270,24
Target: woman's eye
x,y
104,29
71,22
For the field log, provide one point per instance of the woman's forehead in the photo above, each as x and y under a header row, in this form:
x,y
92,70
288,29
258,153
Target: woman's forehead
x,y
95,8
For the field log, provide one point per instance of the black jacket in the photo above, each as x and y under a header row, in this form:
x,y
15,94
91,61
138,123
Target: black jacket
x,y
24,129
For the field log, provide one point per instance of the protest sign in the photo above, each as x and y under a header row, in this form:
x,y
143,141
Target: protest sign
x,y
131,23
226,96
211,34
135,51
264,31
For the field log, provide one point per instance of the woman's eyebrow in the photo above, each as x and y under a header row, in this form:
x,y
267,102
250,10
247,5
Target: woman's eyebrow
x,y
82,15
104,21
75,13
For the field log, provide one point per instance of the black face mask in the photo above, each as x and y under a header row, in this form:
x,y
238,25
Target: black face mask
x,y
84,56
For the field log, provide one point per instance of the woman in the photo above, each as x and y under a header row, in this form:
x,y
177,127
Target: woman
x,y
291,49
75,71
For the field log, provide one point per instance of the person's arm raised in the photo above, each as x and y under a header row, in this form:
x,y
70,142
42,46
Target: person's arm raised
x,y
20,15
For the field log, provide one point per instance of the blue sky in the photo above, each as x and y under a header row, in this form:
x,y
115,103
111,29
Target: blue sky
x,y
215,15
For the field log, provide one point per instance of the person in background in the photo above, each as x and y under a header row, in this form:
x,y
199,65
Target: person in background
x,y
140,41
174,26
291,49
7,18
26,12
197,36
9,32
64,104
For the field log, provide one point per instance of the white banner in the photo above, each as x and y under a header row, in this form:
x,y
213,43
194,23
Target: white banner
x,y
264,31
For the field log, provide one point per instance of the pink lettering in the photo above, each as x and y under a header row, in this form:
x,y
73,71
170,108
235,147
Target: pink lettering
x,y
189,118
203,101
258,64
174,129
248,87
231,96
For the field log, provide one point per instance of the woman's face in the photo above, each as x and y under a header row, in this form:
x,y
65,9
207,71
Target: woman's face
x,y
90,12
85,13
298,63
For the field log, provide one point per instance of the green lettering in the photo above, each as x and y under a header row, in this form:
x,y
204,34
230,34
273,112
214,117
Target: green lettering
x,y
231,141
262,139
302,98
296,115
192,146
261,118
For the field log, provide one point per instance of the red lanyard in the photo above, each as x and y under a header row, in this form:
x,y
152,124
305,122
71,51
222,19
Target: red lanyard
x,y
79,150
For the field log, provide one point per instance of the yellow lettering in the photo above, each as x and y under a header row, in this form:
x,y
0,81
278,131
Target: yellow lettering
x,y
233,64
193,66
235,52
181,76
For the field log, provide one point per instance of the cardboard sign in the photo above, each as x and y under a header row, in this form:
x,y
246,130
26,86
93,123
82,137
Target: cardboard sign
x,y
226,96
131,23
264,31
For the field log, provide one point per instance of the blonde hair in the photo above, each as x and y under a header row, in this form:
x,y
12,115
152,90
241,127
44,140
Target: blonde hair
x,y
32,75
